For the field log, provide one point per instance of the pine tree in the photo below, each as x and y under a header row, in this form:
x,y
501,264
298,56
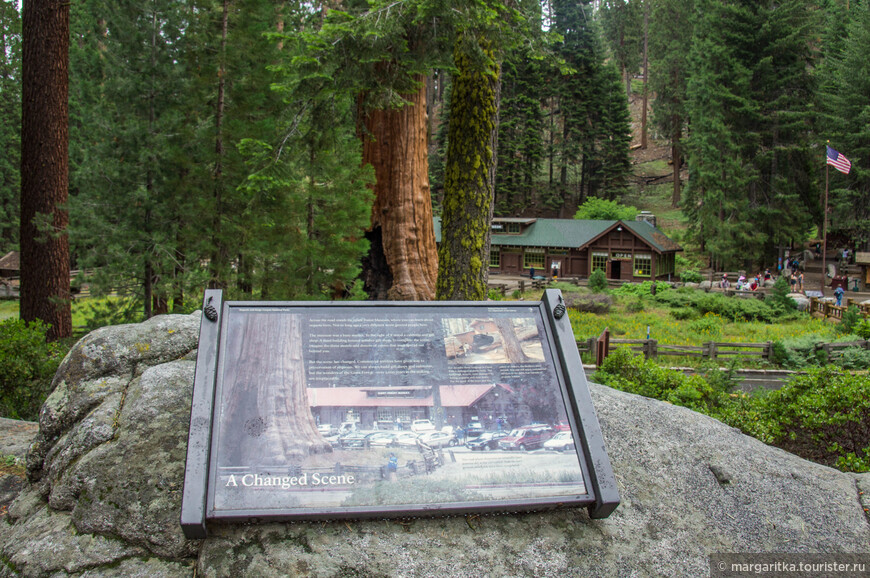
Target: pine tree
x,y
594,136
721,113
129,166
670,43
521,133
10,123
785,195
45,264
622,26
749,94
848,101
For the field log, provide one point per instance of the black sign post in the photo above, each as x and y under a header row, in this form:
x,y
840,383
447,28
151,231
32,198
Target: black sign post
x,y
360,409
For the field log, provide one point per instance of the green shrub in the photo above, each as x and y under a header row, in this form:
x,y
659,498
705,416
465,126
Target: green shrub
x,y
684,313
27,366
779,299
862,328
636,305
628,372
850,322
645,288
799,352
494,295
598,208
710,325
598,281
598,303
823,416
853,358
690,277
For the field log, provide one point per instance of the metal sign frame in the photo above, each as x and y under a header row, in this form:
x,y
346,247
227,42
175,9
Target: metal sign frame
x,y
211,493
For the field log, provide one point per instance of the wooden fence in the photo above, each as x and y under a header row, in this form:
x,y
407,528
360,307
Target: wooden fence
x,y
836,349
651,348
826,309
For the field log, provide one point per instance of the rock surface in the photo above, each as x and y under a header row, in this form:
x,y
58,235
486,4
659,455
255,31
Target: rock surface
x,y
106,472
801,300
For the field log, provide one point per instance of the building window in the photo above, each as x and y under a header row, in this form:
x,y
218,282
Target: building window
x,y
385,414
665,264
512,228
494,258
599,261
642,265
403,414
533,257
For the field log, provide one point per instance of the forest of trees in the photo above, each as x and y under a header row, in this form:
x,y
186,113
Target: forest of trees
x,y
290,150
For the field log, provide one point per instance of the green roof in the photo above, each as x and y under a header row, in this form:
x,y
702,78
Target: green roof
x,y
574,233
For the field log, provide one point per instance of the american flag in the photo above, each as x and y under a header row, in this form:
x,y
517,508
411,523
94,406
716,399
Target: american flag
x,y
838,161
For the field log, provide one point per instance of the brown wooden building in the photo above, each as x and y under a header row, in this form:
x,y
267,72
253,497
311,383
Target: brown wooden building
x,y
626,250
10,265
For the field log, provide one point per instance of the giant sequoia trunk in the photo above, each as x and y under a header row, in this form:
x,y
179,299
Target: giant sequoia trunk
x,y
45,287
469,177
403,261
266,418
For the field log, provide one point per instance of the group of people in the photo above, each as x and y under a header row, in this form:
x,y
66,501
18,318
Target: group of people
x,y
795,280
751,284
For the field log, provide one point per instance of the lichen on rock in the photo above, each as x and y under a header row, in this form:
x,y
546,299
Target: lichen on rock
x,y
108,467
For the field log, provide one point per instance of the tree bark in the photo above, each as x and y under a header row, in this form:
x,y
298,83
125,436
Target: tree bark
x,y
469,179
266,415
395,144
219,255
643,139
677,159
45,264
512,346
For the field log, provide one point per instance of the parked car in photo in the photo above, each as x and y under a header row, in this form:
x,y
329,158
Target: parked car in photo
x,y
562,441
405,438
526,438
438,439
474,429
327,429
381,438
421,425
347,427
486,441
356,440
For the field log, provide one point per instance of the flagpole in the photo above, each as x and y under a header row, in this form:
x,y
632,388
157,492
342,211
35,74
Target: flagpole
x,y
825,231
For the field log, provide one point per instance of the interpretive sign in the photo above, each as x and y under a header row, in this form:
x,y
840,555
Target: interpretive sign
x,y
362,409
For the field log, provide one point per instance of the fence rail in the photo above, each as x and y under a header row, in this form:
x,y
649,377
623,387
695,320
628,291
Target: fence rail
x,y
827,309
651,348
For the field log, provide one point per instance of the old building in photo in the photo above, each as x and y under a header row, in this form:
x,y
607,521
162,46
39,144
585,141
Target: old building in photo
x,y
624,250
385,407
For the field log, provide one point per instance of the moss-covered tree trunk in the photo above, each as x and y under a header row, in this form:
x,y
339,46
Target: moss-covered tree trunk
x,y
469,175
403,260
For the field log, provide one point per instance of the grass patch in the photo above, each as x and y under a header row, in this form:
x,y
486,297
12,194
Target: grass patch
x,y
8,309
10,465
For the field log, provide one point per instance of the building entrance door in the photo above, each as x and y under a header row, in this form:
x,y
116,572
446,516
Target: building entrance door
x,y
616,270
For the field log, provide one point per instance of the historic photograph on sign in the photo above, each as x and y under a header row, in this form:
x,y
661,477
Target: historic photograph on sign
x,y
341,409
